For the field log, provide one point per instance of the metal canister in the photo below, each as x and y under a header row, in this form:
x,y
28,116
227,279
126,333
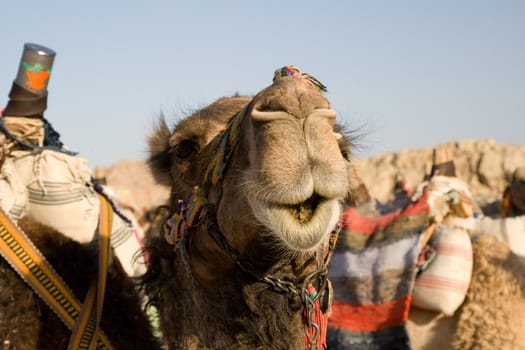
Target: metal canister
x,y
22,118
35,68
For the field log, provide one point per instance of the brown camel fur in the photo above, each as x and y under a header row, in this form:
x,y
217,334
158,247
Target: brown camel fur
x,y
26,322
276,206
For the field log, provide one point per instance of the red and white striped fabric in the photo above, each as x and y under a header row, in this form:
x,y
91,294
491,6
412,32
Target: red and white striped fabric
x,y
443,285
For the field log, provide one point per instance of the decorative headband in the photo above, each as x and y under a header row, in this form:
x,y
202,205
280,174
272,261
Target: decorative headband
x,y
295,72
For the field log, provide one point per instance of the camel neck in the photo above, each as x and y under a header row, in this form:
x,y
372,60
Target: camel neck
x,y
212,260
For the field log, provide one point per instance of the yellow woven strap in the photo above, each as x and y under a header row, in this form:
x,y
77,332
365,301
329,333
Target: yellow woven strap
x,y
18,250
87,324
224,149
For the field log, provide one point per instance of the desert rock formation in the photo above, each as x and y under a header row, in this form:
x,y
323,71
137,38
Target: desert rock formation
x,y
485,165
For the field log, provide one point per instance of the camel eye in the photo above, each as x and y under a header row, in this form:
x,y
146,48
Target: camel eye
x,y
185,149
345,148
345,153
343,142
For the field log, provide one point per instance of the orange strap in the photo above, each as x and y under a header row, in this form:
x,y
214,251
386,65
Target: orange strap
x,y
87,324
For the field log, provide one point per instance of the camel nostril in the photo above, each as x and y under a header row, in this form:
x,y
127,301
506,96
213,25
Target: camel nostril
x,y
268,115
324,113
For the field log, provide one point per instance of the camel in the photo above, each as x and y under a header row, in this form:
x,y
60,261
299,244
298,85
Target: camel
x,y
514,195
252,222
26,322
492,315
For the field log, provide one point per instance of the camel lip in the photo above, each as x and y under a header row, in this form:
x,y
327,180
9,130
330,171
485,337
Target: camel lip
x,y
296,231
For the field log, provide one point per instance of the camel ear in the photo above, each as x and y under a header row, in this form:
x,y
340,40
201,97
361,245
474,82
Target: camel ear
x,y
160,153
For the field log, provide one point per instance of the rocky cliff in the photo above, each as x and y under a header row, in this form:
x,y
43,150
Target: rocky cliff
x,y
485,165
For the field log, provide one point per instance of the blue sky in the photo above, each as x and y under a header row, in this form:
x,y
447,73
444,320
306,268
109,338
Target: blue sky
x,y
410,73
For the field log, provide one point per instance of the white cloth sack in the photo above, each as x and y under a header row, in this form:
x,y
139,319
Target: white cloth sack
x,y
60,195
442,287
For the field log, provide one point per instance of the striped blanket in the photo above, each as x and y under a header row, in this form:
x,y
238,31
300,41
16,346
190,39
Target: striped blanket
x,y
373,272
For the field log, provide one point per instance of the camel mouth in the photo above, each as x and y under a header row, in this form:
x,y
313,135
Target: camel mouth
x,y
301,226
304,212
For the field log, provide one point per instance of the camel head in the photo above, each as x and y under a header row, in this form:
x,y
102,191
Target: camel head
x,y
274,167
257,185
517,190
